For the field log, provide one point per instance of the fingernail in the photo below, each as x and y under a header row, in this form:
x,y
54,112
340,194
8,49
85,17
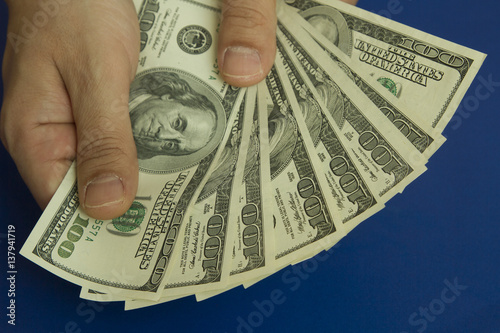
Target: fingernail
x,y
104,191
241,62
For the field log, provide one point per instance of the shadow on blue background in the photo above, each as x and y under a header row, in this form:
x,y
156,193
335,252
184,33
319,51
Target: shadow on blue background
x,y
428,262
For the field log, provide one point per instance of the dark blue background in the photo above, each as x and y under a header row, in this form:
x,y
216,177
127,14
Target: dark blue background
x,y
444,227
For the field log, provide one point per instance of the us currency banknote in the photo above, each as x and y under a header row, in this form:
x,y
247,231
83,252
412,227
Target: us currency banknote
x,y
253,246
388,161
268,183
198,262
305,222
354,201
76,247
253,237
408,62
245,221
204,260
425,138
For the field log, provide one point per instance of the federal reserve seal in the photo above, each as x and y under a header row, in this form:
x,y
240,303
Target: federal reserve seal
x,y
129,224
194,39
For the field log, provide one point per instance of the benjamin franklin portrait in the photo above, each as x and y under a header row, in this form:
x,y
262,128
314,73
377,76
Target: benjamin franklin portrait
x,y
331,24
174,125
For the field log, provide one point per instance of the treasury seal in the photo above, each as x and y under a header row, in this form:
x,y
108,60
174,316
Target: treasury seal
x,y
194,39
393,87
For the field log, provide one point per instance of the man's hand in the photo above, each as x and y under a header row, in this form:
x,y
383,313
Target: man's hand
x,y
67,71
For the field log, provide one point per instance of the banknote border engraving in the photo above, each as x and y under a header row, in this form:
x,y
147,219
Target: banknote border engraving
x,y
71,197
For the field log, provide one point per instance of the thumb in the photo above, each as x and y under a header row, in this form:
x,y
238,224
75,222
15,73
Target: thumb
x,y
107,167
247,40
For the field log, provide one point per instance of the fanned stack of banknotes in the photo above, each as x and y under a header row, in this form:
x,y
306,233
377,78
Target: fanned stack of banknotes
x,y
236,184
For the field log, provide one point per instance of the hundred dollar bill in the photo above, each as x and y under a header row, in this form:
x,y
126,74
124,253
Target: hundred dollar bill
x,y
253,233
202,258
304,221
425,138
198,259
408,62
388,162
252,255
253,250
177,92
355,201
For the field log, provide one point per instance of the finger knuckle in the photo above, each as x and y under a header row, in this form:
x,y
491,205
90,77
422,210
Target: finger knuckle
x,y
99,148
242,15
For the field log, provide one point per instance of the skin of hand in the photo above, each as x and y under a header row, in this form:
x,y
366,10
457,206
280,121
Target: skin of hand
x,y
67,70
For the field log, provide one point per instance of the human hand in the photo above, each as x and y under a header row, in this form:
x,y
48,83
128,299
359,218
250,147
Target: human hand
x,y
67,71
67,84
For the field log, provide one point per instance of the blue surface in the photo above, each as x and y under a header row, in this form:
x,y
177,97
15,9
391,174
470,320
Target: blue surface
x,y
442,230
